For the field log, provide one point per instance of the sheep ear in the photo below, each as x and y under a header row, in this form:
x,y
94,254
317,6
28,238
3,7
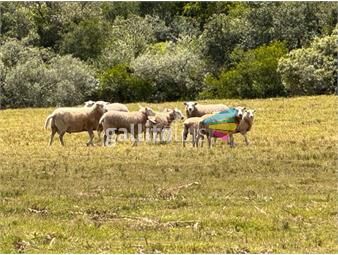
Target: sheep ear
x,y
152,119
185,103
195,103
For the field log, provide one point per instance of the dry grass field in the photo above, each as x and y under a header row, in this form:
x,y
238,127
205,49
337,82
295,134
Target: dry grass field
x,y
279,194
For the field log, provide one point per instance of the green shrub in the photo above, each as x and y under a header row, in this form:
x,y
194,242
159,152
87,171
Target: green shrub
x,y
254,75
34,77
117,84
311,70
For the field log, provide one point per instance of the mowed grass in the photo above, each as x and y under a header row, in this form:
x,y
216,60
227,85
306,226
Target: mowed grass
x,y
279,194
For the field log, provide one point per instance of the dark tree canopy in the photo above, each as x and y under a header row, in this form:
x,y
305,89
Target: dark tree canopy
x,y
158,51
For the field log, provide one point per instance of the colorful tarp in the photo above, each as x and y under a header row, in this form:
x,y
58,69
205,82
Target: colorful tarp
x,y
222,123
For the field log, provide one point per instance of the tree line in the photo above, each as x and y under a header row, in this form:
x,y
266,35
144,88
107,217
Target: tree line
x,y
64,53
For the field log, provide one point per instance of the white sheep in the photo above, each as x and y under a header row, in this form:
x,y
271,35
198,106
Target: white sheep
x,y
73,120
125,122
91,103
205,130
161,121
193,109
109,106
191,126
244,126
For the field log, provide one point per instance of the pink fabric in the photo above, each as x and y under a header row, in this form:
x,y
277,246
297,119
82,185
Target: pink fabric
x,y
224,136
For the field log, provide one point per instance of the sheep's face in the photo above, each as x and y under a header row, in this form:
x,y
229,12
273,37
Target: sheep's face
x,y
148,111
250,114
89,103
178,115
99,106
190,106
240,112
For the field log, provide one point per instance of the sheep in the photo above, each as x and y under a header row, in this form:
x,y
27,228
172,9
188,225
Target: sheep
x,y
116,107
204,130
125,122
73,120
244,126
109,106
91,103
162,120
193,109
191,126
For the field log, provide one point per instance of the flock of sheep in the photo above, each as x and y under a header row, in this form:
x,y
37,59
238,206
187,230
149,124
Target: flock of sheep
x,y
115,118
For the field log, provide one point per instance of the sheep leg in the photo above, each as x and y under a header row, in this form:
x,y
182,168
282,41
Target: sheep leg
x,y
193,139
52,136
99,135
91,137
135,142
61,138
246,139
105,137
232,141
184,136
209,139
161,135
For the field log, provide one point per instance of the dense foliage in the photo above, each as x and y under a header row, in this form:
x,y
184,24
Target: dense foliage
x,y
62,53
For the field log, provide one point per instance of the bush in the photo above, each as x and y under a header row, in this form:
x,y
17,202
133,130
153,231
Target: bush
x,y
35,77
85,40
254,75
129,38
117,84
312,70
176,70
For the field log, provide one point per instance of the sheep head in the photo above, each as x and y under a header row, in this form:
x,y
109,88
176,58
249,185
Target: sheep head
x,y
147,111
190,106
178,115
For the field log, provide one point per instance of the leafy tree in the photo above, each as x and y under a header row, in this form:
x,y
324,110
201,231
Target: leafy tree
x,y
35,77
166,11
311,70
254,75
117,84
176,70
15,20
220,36
111,10
85,40
129,38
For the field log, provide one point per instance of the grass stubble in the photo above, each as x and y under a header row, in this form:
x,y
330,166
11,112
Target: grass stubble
x,y
279,194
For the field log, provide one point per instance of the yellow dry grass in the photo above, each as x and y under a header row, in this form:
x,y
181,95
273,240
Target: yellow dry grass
x,y
276,195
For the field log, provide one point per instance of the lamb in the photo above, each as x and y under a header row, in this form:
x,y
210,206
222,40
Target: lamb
x,y
204,130
125,122
191,126
109,106
193,109
244,126
162,120
73,120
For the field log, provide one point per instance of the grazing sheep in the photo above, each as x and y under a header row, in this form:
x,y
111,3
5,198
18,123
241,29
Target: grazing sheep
x,y
73,120
193,109
125,122
244,126
162,120
191,126
204,130
91,103
109,106
116,107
